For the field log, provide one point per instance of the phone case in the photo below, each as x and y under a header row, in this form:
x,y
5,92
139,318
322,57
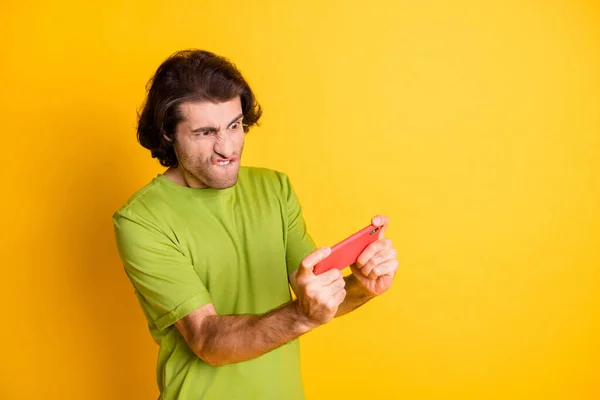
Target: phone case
x,y
347,251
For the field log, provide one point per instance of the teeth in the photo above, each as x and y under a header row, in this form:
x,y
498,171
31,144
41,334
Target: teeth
x,y
223,163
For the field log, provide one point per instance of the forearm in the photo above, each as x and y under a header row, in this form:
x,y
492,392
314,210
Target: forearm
x,y
233,338
356,296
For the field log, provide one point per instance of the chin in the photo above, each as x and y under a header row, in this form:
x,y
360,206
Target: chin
x,y
224,183
222,186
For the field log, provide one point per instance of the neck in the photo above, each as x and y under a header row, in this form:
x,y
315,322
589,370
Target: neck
x,y
181,177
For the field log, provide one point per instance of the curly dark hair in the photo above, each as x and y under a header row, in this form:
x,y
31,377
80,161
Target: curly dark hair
x,y
189,75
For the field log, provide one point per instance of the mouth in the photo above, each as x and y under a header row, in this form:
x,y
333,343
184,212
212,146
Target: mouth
x,y
223,162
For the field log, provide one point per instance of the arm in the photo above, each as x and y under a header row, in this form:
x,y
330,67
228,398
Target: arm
x,y
171,293
356,296
226,339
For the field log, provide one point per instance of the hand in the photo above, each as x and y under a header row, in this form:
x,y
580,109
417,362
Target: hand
x,y
319,296
377,265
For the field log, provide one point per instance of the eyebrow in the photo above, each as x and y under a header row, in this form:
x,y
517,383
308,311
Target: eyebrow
x,y
212,128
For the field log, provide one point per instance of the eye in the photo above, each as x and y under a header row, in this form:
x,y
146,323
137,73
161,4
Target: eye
x,y
235,126
203,134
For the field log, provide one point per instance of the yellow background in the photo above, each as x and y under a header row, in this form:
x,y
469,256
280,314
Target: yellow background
x,y
475,126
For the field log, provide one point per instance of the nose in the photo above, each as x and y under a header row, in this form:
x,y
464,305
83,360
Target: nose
x,y
224,146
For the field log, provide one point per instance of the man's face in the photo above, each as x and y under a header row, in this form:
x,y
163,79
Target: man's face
x,y
209,143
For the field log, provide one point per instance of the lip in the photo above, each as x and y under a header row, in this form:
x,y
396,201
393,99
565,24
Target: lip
x,y
230,159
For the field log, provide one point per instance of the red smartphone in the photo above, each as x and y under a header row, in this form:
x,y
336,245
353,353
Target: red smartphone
x,y
347,251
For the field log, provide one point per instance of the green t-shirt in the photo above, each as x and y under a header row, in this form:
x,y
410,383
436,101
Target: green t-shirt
x,y
183,248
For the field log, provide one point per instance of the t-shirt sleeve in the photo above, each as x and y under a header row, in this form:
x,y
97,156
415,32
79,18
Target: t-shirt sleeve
x,y
299,242
165,281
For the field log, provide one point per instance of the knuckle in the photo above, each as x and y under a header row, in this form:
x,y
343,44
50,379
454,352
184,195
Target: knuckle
x,y
331,273
310,290
321,299
371,264
302,285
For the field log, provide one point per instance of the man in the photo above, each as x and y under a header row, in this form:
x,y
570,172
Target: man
x,y
212,248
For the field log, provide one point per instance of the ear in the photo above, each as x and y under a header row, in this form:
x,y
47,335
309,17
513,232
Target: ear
x,y
167,138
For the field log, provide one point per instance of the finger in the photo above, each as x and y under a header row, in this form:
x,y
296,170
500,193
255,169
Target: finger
x,y
378,259
313,258
381,221
372,249
328,277
369,267
355,269
387,268
388,254
336,284
339,296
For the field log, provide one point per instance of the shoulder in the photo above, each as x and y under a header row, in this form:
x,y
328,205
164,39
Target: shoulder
x,y
262,173
266,178
143,203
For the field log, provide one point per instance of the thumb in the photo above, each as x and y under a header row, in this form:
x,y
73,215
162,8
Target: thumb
x,y
382,222
309,262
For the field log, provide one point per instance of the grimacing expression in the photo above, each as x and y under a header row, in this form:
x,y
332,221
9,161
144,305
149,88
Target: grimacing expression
x,y
209,142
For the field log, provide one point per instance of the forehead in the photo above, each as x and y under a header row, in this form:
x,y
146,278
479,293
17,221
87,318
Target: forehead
x,y
205,113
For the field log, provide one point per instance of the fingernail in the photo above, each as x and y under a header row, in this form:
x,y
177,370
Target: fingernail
x,y
327,250
376,221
